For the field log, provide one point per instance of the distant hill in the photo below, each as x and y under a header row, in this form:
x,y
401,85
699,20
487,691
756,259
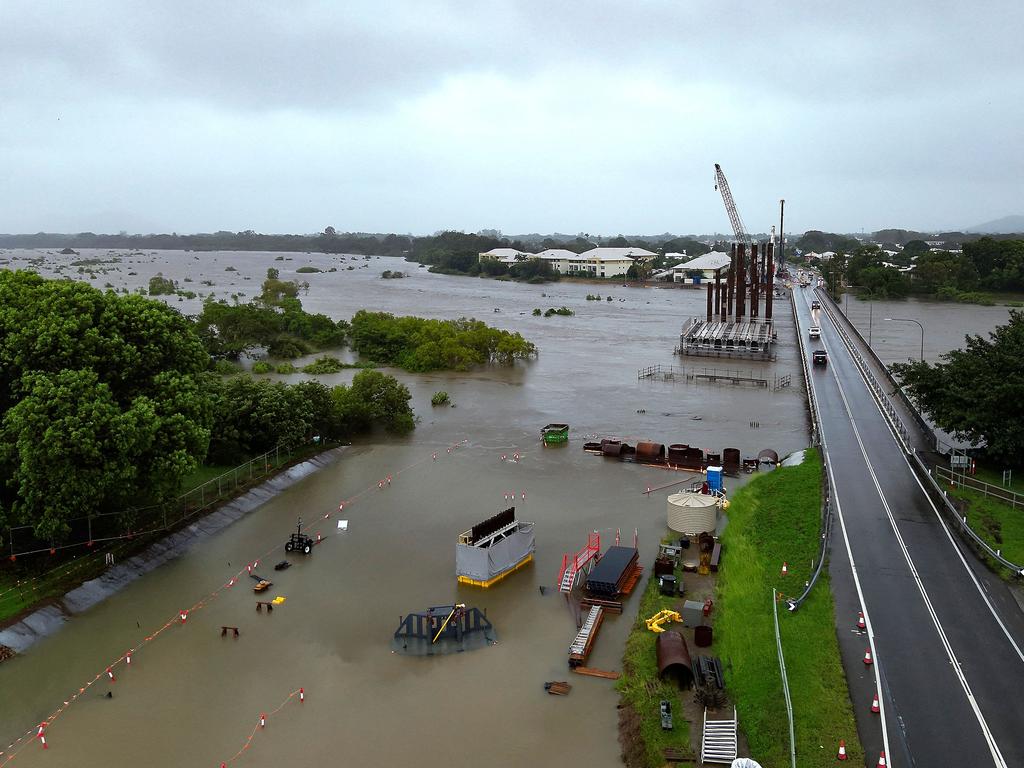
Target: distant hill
x,y
1004,226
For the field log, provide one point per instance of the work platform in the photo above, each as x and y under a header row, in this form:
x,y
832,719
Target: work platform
x,y
749,338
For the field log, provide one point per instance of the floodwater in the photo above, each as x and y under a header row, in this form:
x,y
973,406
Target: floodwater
x,y
943,325
193,697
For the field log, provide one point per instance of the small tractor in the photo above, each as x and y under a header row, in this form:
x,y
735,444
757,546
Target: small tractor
x,y
299,542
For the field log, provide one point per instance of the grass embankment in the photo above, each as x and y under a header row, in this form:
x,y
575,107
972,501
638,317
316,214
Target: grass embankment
x,y
775,518
642,691
995,521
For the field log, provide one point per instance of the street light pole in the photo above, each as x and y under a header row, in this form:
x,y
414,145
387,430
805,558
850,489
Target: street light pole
x,y
911,320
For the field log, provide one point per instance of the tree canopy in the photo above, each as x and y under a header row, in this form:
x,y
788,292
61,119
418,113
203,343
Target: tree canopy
x,y
101,400
416,344
976,393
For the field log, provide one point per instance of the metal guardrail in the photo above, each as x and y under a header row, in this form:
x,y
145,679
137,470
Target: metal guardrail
x,y
826,488
903,434
972,483
785,680
104,527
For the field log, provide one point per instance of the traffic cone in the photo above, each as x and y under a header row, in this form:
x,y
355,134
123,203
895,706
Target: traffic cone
x,y
868,661
302,694
842,750
874,705
785,568
110,674
861,624
263,720
881,760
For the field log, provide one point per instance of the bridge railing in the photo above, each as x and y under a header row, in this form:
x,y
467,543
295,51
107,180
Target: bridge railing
x,y
904,436
826,488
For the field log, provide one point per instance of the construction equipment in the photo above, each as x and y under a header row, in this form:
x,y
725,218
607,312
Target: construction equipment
x,y
730,207
299,542
662,617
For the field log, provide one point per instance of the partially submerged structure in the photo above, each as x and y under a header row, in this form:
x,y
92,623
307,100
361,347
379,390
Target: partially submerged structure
x,y
493,549
443,629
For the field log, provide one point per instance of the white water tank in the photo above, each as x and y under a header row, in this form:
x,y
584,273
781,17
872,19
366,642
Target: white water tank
x,y
692,513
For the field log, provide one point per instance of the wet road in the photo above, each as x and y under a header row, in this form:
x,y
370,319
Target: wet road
x,y
945,638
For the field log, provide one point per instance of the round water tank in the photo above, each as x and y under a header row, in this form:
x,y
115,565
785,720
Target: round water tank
x,y
692,513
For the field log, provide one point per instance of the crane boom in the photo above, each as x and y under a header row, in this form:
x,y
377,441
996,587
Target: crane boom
x,y
730,207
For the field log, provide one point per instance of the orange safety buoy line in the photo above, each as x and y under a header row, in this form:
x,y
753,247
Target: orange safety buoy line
x,y
180,619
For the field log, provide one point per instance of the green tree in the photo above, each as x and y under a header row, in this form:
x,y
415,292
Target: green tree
x,y
96,390
976,393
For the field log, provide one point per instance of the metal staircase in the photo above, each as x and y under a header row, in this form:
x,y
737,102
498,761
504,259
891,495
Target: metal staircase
x,y
718,744
571,566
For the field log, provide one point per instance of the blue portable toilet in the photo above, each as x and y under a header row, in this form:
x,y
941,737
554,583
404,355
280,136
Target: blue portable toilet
x,y
714,479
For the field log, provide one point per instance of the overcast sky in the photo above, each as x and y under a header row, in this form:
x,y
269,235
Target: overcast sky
x,y
603,117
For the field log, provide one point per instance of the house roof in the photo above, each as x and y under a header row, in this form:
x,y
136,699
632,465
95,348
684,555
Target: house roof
x,y
612,254
505,253
713,260
556,253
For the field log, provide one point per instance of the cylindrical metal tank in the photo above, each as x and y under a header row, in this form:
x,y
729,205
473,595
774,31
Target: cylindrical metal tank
x,y
692,513
677,453
653,453
713,458
731,458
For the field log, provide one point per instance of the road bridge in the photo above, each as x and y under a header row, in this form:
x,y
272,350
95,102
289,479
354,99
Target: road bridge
x,y
945,633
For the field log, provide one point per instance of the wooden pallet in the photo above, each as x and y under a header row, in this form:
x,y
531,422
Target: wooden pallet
x,y
632,580
558,688
611,606
592,672
677,755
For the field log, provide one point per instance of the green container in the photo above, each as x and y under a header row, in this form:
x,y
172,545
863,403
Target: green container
x,y
555,433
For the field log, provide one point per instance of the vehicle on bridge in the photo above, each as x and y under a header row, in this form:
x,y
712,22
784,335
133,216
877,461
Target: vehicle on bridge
x,y
819,357
814,332
815,304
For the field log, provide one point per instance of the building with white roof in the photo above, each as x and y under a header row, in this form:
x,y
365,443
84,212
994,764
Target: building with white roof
x,y
609,262
506,255
704,265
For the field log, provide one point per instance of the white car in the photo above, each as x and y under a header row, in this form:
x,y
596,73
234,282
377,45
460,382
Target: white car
x,y
814,332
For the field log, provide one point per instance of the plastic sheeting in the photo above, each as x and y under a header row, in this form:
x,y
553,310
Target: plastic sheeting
x,y
484,563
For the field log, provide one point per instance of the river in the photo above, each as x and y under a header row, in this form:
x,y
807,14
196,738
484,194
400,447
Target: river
x,y
192,697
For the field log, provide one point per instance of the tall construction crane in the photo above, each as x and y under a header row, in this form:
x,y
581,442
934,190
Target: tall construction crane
x,y
730,207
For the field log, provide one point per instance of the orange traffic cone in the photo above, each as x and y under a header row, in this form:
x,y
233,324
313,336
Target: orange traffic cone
x,y
785,568
881,760
842,750
874,705
868,661
861,624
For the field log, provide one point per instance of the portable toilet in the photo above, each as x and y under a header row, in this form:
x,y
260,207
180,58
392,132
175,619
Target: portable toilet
x,y
714,479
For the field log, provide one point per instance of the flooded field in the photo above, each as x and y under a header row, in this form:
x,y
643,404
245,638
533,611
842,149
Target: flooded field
x,y
192,697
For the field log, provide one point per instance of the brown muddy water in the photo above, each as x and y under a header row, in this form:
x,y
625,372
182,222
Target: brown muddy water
x,y
192,697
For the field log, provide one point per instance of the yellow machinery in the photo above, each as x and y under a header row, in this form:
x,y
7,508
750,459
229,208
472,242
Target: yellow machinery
x,y
662,617
455,609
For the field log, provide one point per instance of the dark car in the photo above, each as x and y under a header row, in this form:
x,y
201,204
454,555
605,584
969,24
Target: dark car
x,y
819,357
815,304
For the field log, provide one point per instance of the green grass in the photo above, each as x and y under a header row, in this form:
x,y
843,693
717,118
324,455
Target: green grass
x,y
775,518
997,522
641,688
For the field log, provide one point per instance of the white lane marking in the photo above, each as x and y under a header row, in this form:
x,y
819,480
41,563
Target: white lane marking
x,y
853,564
863,603
981,587
997,756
